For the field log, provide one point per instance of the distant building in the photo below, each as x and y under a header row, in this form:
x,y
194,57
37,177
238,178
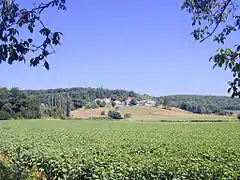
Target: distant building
x,y
141,103
98,100
150,103
147,102
127,102
107,100
118,103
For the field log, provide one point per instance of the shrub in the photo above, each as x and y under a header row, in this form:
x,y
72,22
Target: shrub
x,y
17,115
52,112
208,111
114,97
31,114
127,115
166,104
101,103
113,103
4,115
114,115
77,105
62,117
222,113
238,116
103,113
7,172
133,102
91,105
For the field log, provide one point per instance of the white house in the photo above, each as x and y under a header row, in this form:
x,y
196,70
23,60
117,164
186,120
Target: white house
x,y
98,100
118,103
150,103
107,100
147,102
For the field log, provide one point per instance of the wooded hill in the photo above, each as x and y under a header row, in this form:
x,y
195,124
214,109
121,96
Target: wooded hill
x,y
15,103
194,103
201,103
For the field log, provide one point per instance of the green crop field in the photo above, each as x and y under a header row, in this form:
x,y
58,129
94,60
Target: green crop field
x,y
55,149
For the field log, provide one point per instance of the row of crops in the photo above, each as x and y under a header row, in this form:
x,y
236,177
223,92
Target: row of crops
x,y
119,150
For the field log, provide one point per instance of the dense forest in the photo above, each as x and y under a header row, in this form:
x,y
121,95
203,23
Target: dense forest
x,y
17,104
30,104
82,96
202,104
54,102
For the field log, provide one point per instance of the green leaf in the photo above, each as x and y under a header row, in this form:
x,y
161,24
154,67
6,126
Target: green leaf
x,y
46,65
13,31
30,28
48,41
238,48
45,31
45,53
30,40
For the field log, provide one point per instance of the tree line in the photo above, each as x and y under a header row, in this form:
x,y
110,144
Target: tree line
x,y
86,96
220,105
58,103
216,19
17,104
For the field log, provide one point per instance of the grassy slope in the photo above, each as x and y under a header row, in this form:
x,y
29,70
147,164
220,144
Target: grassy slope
x,y
150,114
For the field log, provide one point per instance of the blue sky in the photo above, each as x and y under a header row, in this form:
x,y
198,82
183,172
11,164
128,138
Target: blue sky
x,y
143,45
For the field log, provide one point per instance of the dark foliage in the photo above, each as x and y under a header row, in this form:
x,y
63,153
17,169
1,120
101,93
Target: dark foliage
x,y
166,103
133,102
202,104
218,19
57,103
238,116
113,103
91,105
4,115
114,115
100,103
82,96
17,104
15,20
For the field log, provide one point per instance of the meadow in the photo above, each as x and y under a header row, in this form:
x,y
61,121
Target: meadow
x,y
152,114
55,149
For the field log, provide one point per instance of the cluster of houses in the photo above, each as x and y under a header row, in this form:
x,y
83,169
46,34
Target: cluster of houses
x,y
127,102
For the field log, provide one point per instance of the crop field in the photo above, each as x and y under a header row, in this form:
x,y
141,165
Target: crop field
x,y
54,149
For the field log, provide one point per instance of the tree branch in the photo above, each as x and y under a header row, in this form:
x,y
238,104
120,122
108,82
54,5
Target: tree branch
x,y
41,7
219,21
45,27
